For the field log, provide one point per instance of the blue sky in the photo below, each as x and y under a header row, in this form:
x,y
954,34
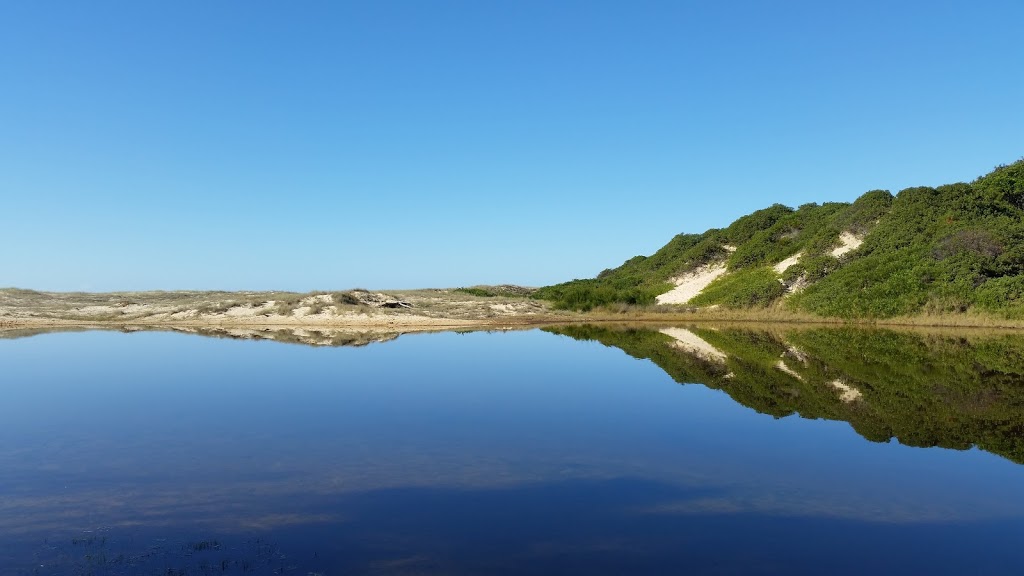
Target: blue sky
x,y
330,145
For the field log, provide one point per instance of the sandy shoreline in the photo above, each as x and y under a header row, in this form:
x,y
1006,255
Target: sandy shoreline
x,y
411,323
398,311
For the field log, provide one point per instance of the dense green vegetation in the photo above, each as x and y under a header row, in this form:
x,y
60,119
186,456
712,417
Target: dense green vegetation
x,y
949,249
744,288
473,291
504,290
924,391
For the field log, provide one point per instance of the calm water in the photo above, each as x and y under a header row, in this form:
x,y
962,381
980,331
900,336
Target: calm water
x,y
573,450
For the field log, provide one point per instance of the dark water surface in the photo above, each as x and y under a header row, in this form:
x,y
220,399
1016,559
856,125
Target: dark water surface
x,y
811,451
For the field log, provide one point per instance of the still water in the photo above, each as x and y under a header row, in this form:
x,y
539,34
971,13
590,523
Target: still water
x,y
576,450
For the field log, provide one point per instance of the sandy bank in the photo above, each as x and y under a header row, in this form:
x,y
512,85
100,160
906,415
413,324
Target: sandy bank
x,y
691,284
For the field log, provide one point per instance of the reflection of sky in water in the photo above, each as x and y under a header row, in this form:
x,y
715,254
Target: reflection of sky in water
x,y
157,429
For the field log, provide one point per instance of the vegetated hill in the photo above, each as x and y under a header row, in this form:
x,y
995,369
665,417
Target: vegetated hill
x,y
953,248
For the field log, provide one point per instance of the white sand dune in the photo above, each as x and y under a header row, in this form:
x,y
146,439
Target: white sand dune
x,y
690,342
781,266
690,284
848,243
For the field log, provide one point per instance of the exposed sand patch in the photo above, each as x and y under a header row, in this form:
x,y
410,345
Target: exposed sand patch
x,y
782,266
847,393
692,283
248,311
97,310
144,309
690,342
782,366
322,298
729,247
848,243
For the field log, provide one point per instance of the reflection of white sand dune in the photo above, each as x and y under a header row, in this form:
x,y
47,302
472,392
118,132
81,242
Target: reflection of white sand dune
x,y
794,353
782,366
848,393
690,342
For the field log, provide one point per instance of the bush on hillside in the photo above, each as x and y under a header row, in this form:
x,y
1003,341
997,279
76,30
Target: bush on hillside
x,y
757,287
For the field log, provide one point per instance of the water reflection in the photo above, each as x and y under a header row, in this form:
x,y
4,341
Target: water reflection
x,y
519,452
310,336
952,390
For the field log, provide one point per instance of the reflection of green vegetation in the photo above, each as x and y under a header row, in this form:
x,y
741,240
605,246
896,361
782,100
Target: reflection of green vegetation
x,y
946,391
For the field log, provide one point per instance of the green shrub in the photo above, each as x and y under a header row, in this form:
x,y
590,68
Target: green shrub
x,y
345,298
1006,293
482,292
756,287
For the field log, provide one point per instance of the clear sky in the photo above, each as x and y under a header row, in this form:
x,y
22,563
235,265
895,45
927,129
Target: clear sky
x,y
331,145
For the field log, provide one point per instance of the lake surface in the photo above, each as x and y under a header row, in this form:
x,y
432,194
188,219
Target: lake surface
x,y
574,450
